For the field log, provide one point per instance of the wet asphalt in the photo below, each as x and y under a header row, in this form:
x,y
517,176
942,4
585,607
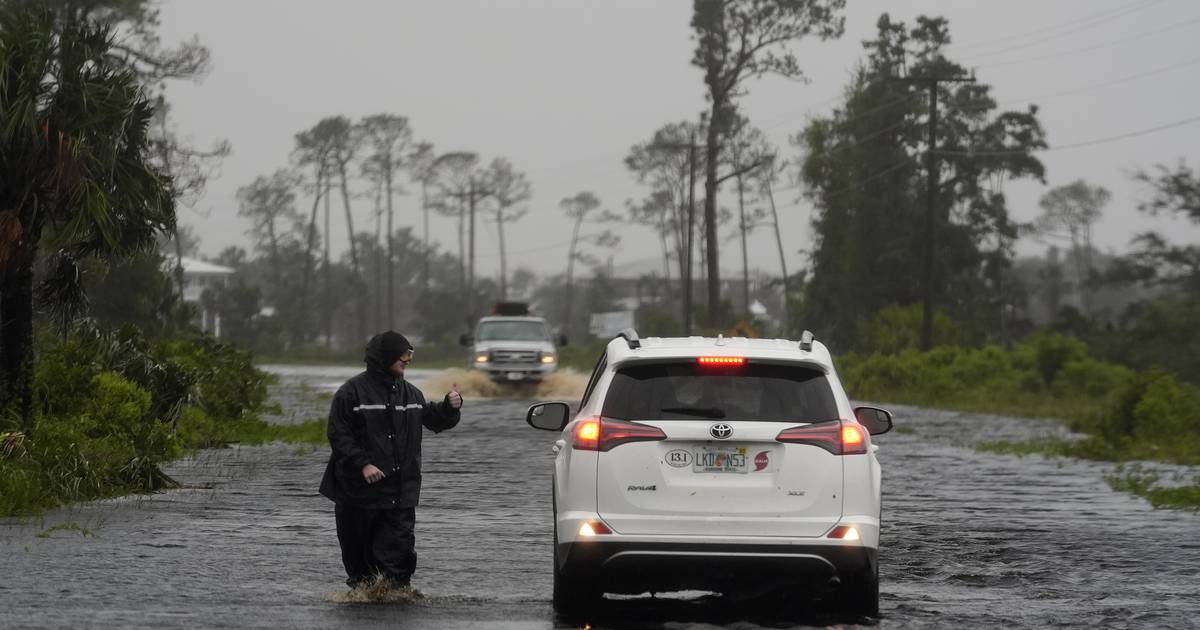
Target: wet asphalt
x,y
970,540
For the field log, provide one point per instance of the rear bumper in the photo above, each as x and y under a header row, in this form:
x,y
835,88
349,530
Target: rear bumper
x,y
638,567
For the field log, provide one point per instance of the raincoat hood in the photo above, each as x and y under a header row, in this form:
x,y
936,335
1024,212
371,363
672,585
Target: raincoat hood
x,y
384,349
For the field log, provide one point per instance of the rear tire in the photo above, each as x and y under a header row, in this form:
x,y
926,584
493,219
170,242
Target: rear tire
x,y
572,596
860,593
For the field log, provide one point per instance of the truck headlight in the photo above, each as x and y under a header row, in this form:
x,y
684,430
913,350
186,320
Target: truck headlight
x,y
548,358
481,358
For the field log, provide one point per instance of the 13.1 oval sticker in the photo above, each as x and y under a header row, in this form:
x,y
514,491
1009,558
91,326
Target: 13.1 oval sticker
x,y
679,458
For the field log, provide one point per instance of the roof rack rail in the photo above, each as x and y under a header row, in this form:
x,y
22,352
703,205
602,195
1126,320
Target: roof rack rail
x,y
631,338
806,341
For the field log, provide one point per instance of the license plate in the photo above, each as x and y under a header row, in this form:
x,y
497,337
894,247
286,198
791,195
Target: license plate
x,y
720,459
515,376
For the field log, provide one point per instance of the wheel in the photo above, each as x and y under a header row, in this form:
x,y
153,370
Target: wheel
x,y
571,596
860,593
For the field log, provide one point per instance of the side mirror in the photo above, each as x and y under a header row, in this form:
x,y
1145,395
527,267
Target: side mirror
x,y
465,340
877,421
549,416
561,340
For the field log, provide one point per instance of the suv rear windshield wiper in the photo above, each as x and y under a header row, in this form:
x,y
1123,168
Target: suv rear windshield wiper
x,y
707,412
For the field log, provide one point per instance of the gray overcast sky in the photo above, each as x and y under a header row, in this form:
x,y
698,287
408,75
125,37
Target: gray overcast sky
x,y
563,88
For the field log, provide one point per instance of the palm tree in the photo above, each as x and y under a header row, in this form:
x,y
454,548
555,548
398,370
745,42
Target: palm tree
x,y
388,137
75,174
509,187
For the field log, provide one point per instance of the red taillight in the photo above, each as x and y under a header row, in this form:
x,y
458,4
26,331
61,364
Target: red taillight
x,y
854,441
587,434
723,361
836,436
602,434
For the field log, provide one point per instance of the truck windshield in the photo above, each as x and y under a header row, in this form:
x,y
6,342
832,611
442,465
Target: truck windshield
x,y
686,391
512,331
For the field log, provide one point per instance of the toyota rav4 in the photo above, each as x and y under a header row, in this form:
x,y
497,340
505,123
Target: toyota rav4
x,y
723,464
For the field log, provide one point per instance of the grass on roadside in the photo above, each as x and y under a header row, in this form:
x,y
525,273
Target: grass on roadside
x,y
1146,484
1127,416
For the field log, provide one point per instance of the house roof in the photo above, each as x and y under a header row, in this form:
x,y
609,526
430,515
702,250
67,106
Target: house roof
x,y
197,266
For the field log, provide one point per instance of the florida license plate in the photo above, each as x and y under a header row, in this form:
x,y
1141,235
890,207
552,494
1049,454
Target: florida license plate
x,y
720,459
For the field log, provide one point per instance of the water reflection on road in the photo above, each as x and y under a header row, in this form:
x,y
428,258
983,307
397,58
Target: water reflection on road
x,y
970,539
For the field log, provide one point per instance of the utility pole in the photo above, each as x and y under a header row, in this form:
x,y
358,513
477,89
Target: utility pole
x,y
425,236
931,201
471,246
687,283
787,317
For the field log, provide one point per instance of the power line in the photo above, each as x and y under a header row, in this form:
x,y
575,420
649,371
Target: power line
x,y
1076,90
783,118
1125,79
1076,145
1046,29
1088,87
1109,44
1084,26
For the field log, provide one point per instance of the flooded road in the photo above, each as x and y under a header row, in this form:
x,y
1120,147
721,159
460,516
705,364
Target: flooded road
x,y
970,539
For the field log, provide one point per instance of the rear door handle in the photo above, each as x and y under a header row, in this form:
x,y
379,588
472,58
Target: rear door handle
x,y
558,445
874,448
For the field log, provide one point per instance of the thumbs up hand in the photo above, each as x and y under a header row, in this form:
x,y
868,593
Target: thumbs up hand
x,y
454,397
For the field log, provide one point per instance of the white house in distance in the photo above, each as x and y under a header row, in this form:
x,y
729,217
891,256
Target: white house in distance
x,y
198,276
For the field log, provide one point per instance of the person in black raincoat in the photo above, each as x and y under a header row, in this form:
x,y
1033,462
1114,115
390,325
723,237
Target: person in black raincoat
x,y
374,471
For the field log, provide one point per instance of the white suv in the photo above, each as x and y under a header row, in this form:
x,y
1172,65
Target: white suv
x,y
720,464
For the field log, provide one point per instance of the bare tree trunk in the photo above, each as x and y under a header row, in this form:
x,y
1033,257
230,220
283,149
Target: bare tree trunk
x,y
745,259
328,278
681,258
276,273
1087,265
462,245
311,240
391,254
178,271
570,276
379,294
712,152
425,237
787,320
360,302
16,333
165,156
471,254
666,249
503,261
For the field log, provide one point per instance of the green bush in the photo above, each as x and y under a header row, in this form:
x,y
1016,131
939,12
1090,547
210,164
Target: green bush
x,y
110,408
1090,378
227,385
1051,352
897,328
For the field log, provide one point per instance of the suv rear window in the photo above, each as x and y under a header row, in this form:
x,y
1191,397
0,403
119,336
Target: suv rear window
x,y
686,391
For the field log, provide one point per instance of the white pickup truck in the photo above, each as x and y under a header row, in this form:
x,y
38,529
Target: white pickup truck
x,y
511,345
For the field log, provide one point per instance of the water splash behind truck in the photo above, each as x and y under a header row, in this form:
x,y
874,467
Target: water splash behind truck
x,y
513,345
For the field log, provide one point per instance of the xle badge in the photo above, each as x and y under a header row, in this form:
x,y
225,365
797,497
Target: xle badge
x,y
760,461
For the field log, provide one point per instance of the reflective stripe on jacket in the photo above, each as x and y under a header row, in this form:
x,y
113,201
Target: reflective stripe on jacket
x,y
378,419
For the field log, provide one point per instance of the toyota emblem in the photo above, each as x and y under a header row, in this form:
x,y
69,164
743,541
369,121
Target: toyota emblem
x,y
720,431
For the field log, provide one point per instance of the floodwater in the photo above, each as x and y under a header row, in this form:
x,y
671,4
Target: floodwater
x,y
970,539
